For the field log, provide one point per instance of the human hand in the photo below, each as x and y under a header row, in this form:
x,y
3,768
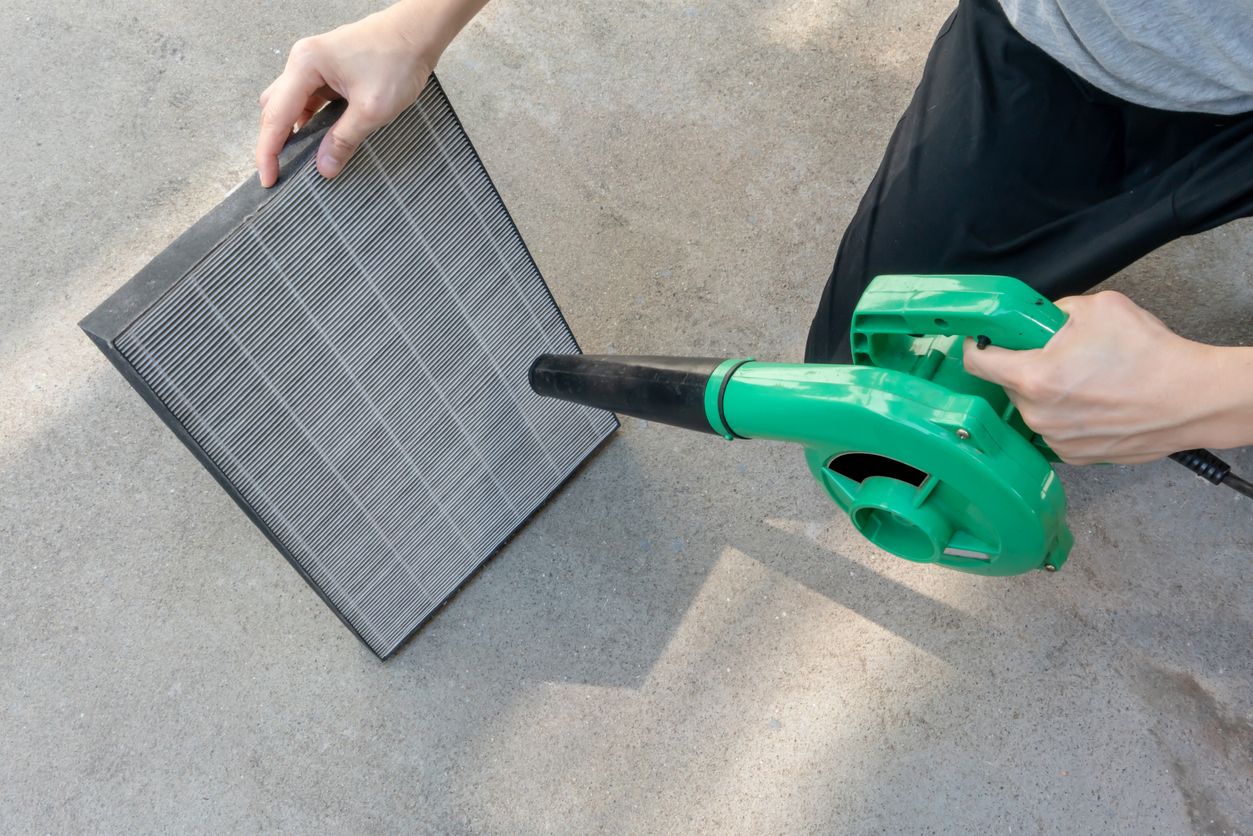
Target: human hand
x,y
379,64
1116,385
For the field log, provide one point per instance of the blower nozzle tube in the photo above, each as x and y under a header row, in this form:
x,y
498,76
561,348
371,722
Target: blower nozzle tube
x,y
670,390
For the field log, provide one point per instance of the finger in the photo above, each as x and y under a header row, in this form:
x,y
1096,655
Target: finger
x,y
343,139
1083,460
1067,304
1072,455
314,104
265,94
325,93
1077,461
998,365
1102,449
288,96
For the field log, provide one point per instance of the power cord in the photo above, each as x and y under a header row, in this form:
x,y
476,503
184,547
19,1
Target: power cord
x,y
1213,469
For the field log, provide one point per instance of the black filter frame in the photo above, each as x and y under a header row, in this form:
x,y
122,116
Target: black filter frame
x,y
107,322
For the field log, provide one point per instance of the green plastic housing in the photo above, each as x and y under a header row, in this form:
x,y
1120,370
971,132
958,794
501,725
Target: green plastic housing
x,y
930,463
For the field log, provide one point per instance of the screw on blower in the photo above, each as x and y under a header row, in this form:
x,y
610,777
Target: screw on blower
x,y
930,463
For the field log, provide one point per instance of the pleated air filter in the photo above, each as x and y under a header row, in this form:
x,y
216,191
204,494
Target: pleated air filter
x,y
349,359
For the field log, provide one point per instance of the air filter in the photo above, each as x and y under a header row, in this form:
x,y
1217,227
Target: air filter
x,y
349,359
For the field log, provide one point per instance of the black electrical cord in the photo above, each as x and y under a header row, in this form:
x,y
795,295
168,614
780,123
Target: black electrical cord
x,y
1213,470
1242,485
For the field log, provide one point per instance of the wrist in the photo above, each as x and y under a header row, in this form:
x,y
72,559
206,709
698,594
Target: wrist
x,y
1221,388
429,26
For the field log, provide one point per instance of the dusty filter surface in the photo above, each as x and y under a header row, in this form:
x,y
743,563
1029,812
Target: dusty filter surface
x,y
349,358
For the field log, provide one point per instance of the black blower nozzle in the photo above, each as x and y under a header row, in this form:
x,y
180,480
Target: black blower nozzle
x,y
670,390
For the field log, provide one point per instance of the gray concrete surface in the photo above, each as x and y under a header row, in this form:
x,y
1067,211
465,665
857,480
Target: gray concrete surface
x,y
688,639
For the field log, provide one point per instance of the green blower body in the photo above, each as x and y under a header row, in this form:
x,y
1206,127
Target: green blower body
x,y
930,463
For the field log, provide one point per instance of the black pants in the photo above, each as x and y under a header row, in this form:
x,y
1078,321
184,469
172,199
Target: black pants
x,y
1006,162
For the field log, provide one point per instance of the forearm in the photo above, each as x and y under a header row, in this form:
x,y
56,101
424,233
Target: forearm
x,y
1226,420
431,25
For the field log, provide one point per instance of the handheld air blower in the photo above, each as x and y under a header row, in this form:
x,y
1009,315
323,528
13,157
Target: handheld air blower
x,y
930,463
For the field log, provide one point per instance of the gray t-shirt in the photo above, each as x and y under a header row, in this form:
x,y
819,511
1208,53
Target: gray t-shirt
x,y
1193,55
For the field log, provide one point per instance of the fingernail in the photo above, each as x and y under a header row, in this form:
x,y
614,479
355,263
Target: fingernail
x,y
328,165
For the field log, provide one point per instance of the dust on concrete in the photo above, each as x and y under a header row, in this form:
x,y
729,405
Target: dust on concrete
x,y
1208,742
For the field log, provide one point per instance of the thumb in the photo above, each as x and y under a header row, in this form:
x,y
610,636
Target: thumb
x,y
342,140
998,365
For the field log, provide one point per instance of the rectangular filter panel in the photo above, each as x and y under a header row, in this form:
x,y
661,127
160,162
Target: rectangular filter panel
x,y
349,358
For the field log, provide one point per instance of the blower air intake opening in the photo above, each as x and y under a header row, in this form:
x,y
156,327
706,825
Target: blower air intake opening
x,y
894,533
861,466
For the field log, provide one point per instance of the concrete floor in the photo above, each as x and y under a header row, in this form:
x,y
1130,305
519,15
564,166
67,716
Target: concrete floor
x,y
689,638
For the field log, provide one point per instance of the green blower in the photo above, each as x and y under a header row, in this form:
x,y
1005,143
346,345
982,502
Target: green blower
x,y
930,463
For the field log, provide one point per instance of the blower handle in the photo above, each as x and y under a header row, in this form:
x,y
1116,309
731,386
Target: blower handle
x,y
896,310
994,310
